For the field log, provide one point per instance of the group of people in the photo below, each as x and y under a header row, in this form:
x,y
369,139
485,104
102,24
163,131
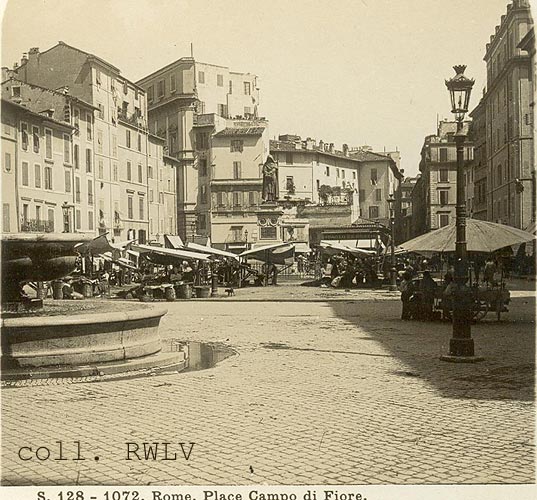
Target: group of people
x,y
347,271
417,296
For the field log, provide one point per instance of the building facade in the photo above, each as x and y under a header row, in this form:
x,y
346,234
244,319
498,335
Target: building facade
x,y
330,188
505,139
47,186
404,230
208,118
435,194
116,152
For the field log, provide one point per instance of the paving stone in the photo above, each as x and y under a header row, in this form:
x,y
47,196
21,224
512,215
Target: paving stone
x,y
331,414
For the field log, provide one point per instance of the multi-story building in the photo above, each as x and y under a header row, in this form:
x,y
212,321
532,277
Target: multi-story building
x,y
162,190
47,186
435,193
476,172
305,167
230,190
332,189
119,156
379,176
208,117
530,185
506,138
403,230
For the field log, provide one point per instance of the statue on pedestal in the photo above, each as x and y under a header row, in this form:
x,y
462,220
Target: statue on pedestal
x,y
270,180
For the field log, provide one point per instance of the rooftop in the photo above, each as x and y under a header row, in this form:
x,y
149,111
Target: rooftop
x,y
89,55
41,116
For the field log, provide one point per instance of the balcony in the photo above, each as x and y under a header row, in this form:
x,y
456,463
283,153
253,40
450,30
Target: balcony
x,y
134,119
207,120
37,226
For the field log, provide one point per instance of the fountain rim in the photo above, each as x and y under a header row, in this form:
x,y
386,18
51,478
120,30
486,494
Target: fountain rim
x,y
147,311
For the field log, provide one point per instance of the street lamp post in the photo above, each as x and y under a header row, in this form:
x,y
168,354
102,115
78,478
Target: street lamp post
x,y
246,238
393,280
461,344
66,211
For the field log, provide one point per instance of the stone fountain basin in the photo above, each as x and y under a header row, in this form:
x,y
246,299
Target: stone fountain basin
x,y
81,339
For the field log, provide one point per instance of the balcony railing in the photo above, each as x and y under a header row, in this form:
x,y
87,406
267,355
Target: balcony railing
x,y
134,119
37,226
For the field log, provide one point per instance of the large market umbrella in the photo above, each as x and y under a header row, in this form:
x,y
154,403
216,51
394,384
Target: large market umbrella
x,y
481,236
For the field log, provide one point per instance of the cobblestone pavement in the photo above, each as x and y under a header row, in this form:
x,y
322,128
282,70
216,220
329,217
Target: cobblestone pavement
x,y
339,391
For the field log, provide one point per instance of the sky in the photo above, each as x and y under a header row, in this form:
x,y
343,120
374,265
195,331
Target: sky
x,y
361,72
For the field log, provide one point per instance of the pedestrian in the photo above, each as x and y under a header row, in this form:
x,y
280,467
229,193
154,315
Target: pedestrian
x,y
407,291
428,291
489,271
274,273
300,264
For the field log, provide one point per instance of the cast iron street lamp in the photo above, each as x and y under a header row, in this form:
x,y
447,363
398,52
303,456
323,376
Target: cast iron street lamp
x,y
461,345
393,281
246,238
66,211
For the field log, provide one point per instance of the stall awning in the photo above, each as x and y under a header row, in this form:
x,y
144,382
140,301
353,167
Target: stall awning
x,y
95,246
262,249
170,252
279,253
302,248
121,245
335,247
173,241
210,250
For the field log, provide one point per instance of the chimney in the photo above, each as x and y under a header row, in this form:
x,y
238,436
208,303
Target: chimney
x,y
321,145
24,58
310,143
33,53
331,148
346,149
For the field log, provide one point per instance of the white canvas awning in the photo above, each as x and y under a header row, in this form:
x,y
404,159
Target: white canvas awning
x,y
174,241
170,252
261,249
210,250
335,247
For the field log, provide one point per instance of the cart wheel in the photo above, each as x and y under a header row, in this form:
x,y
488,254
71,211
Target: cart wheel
x,y
481,308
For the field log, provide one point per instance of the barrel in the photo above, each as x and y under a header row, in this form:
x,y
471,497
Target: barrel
x,y
57,290
184,291
87,289
202,292
41,290
169,293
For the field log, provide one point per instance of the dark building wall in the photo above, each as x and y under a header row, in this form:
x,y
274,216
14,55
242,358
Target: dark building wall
x,y
59,66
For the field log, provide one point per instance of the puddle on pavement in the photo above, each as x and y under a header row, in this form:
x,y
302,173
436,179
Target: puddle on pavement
x,y
198,355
